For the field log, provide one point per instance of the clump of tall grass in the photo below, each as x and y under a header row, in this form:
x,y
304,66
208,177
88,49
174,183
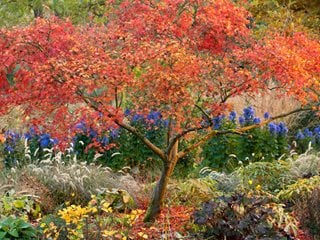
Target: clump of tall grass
x,y
224,182
66,178
74,180
305,165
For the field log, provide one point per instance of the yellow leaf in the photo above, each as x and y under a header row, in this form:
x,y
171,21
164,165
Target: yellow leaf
x,y
2,138
107,233
125,197
18,203
106,207
143,235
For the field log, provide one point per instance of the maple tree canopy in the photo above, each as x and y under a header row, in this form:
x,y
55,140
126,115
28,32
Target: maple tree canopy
x,y
183,58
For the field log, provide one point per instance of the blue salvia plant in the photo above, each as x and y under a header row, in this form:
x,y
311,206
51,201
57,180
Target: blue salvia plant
x,y
227,152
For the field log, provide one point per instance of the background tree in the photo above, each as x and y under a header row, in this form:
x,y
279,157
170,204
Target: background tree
x,y
183,58
285,15
22,12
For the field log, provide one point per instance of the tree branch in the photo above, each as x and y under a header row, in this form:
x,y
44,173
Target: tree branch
x,y
145,140
203,112
129,128
174,139
183,133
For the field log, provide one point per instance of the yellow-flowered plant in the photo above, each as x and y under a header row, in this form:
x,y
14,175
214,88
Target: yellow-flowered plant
x,y
74,216
50,231
126,220
79,221
75,213
106,207
133,216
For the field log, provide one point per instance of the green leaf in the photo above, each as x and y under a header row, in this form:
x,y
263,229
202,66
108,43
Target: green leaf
x,y
2,234
18,204
22,224
7,207
29,232
10,77
14,233
8,221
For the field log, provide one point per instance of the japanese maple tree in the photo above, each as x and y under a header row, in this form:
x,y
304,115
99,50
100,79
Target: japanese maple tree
x,y
185,58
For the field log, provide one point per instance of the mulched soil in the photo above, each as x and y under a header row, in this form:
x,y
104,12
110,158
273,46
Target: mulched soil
x,y
172,222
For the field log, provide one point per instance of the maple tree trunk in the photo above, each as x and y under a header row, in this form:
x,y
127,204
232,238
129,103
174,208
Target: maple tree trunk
x,y
160,189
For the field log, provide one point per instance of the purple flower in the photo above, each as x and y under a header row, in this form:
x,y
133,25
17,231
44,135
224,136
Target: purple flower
x,y
81,126
316,131
28,136
248,113
12,136
105,140
307,132
154,115
44,140
137,117
217,121
232,116
32,131
241,120
274,128
127,112
114,133
266,115
256,120
300,135
9,149
283,129
93,133
54,141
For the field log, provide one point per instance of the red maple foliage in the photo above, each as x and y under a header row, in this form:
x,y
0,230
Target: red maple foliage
x,y
183,58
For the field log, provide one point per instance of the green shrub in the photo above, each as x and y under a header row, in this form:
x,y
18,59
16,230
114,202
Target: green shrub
x,y
134,153
16,228
227,152
192,191
302,188
269,176
22,206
